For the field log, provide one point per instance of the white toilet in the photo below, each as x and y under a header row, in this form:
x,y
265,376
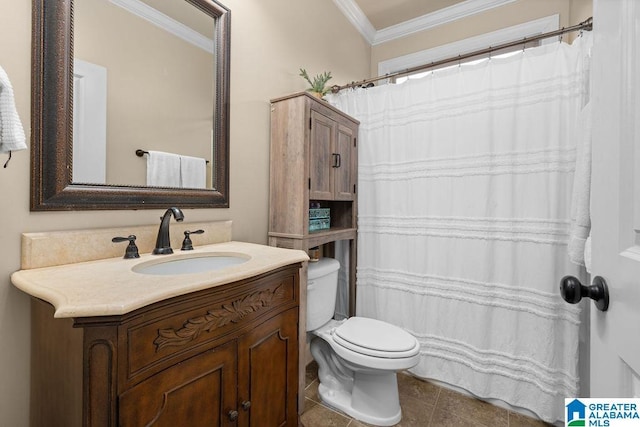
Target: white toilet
x,y
357,357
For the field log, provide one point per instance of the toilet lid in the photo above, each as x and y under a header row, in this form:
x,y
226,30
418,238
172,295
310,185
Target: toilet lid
x,y
375,338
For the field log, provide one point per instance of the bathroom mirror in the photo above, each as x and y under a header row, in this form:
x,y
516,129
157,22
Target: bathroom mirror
x,y
54,185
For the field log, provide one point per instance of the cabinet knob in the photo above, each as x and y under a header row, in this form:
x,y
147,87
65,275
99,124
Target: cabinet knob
x,y
233,415
246,405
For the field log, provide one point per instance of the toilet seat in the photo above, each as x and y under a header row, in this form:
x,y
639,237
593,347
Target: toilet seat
x,y
375,338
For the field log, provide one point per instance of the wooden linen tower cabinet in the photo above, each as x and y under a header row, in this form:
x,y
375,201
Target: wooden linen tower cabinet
x,y
314,160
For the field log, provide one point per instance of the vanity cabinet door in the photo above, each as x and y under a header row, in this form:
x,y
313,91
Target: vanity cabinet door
x,y
200,391
267,373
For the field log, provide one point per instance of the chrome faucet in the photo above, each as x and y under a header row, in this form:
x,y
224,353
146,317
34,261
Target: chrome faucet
x,y
163,242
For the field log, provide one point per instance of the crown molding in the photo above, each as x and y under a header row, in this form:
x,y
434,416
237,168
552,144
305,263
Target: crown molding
x,y
170,25
358,19
504,35
434,19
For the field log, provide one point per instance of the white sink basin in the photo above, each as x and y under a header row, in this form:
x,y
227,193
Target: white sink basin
x,y
198,263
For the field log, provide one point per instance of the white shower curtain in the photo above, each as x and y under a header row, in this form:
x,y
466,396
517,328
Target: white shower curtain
x,y
465,180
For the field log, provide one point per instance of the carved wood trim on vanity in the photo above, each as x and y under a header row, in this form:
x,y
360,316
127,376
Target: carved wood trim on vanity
x,y
139,334
218,317
100,388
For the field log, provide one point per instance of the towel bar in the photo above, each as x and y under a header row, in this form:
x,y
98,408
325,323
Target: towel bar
x,y
141,153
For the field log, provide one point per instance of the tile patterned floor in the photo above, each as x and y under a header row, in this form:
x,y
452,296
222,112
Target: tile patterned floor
x,y
423,405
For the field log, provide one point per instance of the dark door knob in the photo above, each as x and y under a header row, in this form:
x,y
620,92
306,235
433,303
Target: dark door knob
x,y
246,405
572,291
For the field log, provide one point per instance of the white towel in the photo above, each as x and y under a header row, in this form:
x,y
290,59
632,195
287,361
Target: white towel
x,y
163,169
587,254
11,131
193,172
581,197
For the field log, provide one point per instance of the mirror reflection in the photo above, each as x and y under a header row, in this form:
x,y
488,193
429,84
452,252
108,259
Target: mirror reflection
x,y
57,182
144,74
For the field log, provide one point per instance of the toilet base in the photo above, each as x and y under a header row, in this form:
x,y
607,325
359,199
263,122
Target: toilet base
x,y
362,386
373,400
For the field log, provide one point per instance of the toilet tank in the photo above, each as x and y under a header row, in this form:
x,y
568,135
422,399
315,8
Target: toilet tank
x,y
322,286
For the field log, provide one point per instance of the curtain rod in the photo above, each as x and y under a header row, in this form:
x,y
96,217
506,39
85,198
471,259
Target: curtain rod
x,y
584,25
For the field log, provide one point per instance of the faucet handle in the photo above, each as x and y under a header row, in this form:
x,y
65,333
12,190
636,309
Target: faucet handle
x,y
132,249
187,245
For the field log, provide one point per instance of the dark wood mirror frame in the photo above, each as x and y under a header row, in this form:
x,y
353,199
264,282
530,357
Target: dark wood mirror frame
x,y
52,122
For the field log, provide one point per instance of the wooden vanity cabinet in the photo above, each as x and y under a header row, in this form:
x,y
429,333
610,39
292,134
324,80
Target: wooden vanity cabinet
x,y
313,158
225,356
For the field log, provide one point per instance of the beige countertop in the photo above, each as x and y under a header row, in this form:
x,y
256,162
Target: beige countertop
x,y
110,286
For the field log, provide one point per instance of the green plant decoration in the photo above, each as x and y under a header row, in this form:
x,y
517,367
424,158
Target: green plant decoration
x,y
318,83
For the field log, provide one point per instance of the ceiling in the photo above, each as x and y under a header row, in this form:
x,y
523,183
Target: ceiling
x,y
383,14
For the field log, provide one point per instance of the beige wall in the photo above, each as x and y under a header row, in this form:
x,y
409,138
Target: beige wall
x,y
570,11
271,40
579,10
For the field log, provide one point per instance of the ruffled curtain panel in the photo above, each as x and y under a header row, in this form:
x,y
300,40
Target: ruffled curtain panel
x,y
465,187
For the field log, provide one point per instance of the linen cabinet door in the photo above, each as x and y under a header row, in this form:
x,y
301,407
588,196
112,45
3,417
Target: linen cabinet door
x,y
321,157
344,168
201,391
268,373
